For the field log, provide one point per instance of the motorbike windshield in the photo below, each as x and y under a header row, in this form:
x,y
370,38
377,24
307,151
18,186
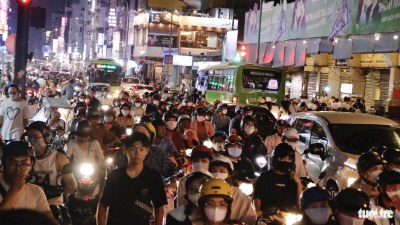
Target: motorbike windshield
x,y
358,138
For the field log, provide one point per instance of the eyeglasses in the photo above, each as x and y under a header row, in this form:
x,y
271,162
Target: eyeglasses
x,y
233,142
14,165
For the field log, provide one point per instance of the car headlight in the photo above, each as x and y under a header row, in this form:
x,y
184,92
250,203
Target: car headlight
x,y
292,218
105,107
86,169
261,161
246,188
137,119
128,131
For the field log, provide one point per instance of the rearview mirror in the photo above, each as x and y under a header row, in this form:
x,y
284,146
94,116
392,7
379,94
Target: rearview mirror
x,y
317,149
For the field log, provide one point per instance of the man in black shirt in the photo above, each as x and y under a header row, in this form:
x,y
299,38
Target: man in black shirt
x,y
132,192
280,186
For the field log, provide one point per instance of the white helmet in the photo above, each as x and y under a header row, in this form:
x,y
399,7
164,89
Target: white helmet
x,y
223,159
290,133
268,99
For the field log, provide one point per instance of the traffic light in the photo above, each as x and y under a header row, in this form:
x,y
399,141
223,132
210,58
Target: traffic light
x,y
24,2
243,51
241,54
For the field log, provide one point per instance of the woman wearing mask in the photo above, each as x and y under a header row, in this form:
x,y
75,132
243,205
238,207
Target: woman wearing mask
x,y
185,214
138,110
111,125
203,128
220,120
253,145
117,104
191,139
242,210
215,202
218,141
125,119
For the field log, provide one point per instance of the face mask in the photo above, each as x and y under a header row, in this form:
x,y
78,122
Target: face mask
x,y
235,152
137,105
125,112
374,175
190,103
218,146
108,119
224,111
123,102
249,130
218,175
155,103
215,214
347,220
171,125
199,166
194,198
284,166
393,194
81,100
318,215
201,118
117,103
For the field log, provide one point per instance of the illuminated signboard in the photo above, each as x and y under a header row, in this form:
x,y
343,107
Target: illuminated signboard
x,y
104,66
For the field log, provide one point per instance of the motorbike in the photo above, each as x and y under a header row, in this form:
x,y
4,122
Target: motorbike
x,y
273,216
82,204
31,96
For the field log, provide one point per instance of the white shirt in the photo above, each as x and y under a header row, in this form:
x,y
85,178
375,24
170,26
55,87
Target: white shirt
x,y
93,154
30,197
14,113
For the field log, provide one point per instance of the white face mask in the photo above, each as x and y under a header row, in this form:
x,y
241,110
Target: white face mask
x,y
137,105
201,118
125,112
190,103
318,215
108,119
393,194
200,166
194,198
155,103
218,146
171,125
348,220
81,100
215,214
219,175
234,151
374,175
249,130
224,111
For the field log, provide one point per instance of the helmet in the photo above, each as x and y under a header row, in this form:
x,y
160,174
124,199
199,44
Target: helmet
x,y
291,133
156,97
351,200
92,113
223,105
247,119
219,133
238,108
201,111
314,194
215,187
83,128
282,150
169,115
388,177
158,122
246,109
281,123
268,99
42,128
391,156
183,117
105,89
233,139
92,89
222,161
379,149
18,148
367,160
109,112
201,151
262,100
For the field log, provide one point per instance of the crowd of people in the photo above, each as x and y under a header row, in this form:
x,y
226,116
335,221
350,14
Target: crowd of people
x,y
165,132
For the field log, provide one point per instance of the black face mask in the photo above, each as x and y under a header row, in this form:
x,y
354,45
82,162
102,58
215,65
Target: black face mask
x,y
285,166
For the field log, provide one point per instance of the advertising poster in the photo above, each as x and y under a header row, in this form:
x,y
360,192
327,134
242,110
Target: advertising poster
x,y
162,41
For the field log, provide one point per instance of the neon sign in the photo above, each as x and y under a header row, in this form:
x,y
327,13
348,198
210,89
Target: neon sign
x,y
100,66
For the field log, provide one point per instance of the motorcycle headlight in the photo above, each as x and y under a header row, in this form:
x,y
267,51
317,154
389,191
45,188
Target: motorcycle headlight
x,y
58,89
188,151
77,88
109,160
137,119
246,188
350,181
208,144
261,161
105,107
292,218
128,131
86,169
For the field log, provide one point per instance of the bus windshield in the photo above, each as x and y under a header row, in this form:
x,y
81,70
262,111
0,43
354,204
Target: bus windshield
x,y
261,80
100,72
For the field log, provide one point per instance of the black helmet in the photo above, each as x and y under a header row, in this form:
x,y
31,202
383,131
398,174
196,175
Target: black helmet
x,y
367,160
388,177
156,97
391,156
247,119
18,148
169,115
378,149
92,113
42,128
158,122
105,89
351,200
238,109
282,150
83,128
223,105
314,194
201,110
246,109
92,89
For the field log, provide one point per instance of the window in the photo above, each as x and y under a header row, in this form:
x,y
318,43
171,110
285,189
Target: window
x,y
261,80
318,135
221,80
304,126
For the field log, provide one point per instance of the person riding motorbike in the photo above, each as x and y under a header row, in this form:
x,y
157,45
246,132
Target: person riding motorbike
x,y
218,142
272,140
253,146
152,106
125,119
111,125
105,99
203,128
389,197
94,102
392,158
220,120
138,110
170,120
234,126
291,137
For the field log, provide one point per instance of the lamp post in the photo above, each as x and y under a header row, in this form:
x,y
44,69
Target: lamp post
x,y
259,33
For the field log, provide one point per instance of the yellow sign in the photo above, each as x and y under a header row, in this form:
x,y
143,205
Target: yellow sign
x,y
373,60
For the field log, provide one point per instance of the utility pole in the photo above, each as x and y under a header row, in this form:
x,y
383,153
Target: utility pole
x,y
21,43
259,32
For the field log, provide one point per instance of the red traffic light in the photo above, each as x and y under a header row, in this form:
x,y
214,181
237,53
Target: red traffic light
x,y
24,2
243,50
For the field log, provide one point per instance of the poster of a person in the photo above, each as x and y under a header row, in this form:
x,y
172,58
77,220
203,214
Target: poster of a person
x,y
252,20
368,12
299,15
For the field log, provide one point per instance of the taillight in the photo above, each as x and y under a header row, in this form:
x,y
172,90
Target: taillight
x,y
234,99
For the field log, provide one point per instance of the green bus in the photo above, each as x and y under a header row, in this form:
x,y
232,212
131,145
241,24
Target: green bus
x,y
105,71
241,83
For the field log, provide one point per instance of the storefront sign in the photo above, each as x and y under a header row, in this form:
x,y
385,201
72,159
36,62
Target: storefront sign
x,y
206,22
162,41
182,60
141,19
373,60
164,17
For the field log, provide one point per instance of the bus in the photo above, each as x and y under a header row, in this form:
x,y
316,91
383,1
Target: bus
x,y
241,83
105,71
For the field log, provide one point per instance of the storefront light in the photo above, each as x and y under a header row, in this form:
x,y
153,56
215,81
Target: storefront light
x,y
377,36
327,89
304,42
395,37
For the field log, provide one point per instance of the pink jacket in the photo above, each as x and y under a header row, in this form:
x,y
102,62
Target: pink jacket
x,y
209,127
